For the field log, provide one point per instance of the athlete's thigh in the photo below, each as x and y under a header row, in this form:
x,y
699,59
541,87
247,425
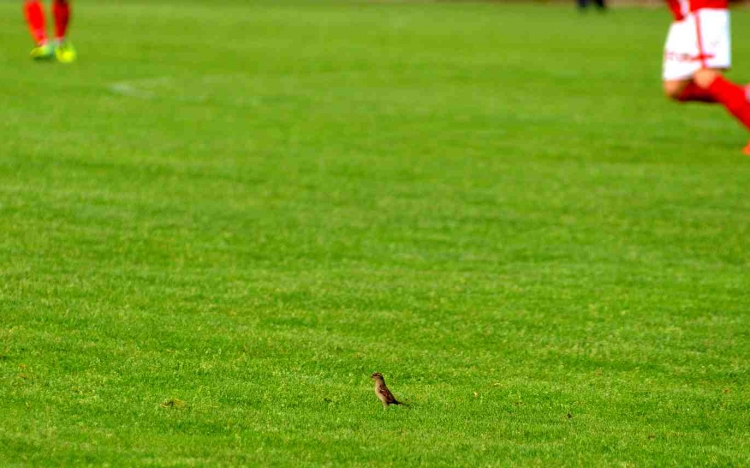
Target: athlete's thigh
x,y
681,51
714,38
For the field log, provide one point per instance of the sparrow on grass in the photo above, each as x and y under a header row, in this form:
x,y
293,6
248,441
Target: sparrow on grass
x,y
381,390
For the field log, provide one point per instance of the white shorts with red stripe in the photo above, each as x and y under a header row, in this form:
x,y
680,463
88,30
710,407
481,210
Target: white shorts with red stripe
x,y
701,40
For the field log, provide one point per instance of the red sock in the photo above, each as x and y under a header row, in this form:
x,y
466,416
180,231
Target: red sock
x,y
35,18
695,93
61,11
733,97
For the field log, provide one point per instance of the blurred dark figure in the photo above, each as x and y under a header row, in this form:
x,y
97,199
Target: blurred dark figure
x,y
600,4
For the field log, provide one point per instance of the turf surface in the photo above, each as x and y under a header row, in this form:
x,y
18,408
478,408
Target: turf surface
x,y
220,221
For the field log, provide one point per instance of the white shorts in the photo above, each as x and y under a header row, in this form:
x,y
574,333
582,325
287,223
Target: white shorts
x,y
701,40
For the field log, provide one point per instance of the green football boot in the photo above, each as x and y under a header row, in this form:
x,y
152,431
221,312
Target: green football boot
x,y
65,52
43,52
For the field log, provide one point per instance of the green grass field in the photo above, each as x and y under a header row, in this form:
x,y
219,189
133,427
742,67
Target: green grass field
x,y
227,214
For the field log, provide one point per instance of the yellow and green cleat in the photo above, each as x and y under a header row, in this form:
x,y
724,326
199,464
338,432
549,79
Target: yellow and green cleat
x,y
65,52
43,52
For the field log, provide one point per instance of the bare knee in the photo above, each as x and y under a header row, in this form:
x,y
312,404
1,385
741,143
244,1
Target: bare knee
x,y
673,89
705,76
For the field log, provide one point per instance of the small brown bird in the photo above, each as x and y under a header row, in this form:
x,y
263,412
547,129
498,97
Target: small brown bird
x,y
381,390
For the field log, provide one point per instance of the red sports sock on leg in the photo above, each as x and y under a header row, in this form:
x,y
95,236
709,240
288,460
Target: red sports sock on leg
x,y
61,12
694,93
733,97
34,12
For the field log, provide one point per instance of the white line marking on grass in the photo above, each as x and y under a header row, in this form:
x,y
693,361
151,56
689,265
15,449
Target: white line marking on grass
x,y
221,90
126,89
139,89
147,89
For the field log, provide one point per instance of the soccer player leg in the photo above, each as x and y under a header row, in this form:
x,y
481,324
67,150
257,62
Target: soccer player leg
x,y
35,18
34,13
681,62
64,51
734,98
717,51
61,12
